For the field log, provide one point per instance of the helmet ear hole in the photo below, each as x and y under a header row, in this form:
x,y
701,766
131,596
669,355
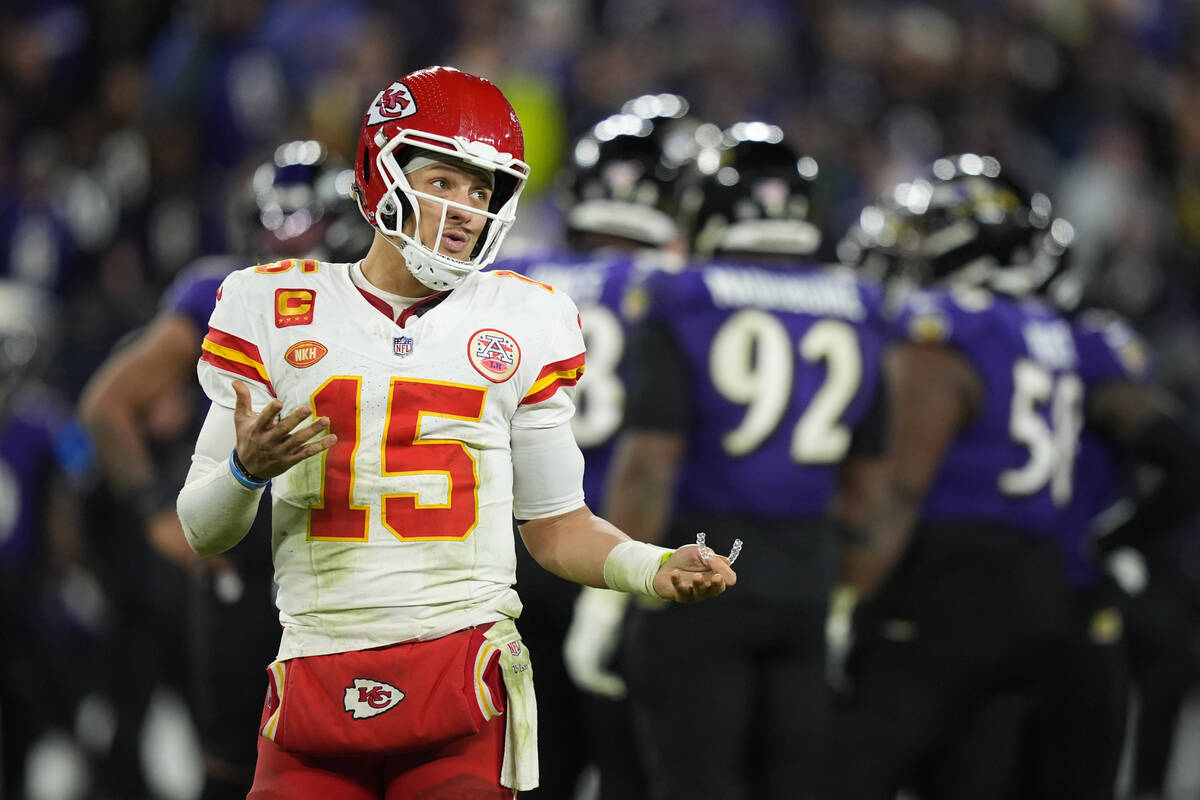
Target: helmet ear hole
x,y
387,213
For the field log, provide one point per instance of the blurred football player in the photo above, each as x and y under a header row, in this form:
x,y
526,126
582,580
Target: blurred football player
x,y
1133,490
53,612
404,409
295,203
753,383
620,223
969,627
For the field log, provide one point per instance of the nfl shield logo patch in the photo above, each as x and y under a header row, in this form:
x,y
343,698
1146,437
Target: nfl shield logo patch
x,y
402,345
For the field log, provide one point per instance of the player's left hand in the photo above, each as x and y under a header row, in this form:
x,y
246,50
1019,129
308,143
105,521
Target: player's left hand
x,y
685,577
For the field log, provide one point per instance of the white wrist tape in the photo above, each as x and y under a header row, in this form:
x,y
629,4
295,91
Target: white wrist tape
x,y
631,567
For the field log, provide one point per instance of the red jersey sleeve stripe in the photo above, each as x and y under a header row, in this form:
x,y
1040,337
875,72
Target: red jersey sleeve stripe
x,y
235,355
554,376
228,340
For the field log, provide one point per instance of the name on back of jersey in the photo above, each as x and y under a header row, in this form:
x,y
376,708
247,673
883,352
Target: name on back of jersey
x,y
800,293
1051,343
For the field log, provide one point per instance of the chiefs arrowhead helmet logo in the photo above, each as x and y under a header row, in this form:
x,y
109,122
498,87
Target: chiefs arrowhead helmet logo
x,y
394,102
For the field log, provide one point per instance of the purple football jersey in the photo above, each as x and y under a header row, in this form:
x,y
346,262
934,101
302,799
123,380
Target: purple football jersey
x,y
194,292
597,283
1018,461
784,366
1109,350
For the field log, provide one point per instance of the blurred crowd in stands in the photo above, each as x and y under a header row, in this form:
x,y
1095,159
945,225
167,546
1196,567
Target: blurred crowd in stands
x,y
129,127
125,123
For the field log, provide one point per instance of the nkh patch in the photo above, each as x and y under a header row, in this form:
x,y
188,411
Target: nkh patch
x,y
370,698
394,102
305,354
494,354
402,345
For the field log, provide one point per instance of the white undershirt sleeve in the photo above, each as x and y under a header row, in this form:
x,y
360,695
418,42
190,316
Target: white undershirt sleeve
x,y
216,510
547,471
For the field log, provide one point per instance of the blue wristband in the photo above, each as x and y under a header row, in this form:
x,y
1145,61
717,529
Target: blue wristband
x,y
243,475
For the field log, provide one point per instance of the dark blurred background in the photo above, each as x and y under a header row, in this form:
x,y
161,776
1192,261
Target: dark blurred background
x,y
125,123
127,126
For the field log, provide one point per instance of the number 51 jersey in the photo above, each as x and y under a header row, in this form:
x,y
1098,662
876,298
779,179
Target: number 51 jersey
x,y
403,529
1015,462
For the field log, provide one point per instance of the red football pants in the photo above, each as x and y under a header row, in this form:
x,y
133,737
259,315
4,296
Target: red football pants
x,y
465,769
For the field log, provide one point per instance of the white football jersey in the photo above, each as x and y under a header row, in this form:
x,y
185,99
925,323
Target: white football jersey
x,y
404,528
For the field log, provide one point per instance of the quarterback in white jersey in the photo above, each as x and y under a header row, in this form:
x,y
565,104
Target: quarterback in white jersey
x,y
411,510
404,409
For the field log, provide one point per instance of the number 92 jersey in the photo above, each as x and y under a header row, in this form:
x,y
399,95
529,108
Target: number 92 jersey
x,y
403,529
782,366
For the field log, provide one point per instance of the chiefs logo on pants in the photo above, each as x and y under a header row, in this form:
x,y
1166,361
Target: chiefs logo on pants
x,y
407,696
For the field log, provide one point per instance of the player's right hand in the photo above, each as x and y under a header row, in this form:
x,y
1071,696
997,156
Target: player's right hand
x,y
268,446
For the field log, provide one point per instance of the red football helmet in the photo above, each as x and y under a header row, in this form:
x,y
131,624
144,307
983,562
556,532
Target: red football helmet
x,y
439,113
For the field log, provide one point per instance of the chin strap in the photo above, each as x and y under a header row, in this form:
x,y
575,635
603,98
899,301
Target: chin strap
x,y
433,271
425,267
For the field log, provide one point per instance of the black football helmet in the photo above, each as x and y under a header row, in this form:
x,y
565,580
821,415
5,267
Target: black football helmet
x,y
752,193
966,222
298,203
623,172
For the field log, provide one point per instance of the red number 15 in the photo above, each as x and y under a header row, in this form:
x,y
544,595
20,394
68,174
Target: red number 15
x,y
403,452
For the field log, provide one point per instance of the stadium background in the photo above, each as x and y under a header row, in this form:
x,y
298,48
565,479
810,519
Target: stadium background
x,y
126,125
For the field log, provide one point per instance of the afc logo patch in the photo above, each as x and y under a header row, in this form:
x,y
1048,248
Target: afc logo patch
x,y
494,354
370,698
294,307
394,102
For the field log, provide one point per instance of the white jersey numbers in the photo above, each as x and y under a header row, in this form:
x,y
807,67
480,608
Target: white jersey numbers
x,y
601,393
1052,447
751,363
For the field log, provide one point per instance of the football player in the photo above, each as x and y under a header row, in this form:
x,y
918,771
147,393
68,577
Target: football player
x,y
1132,429
404,409
753,383
617,198
54,610
969,622
295,203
